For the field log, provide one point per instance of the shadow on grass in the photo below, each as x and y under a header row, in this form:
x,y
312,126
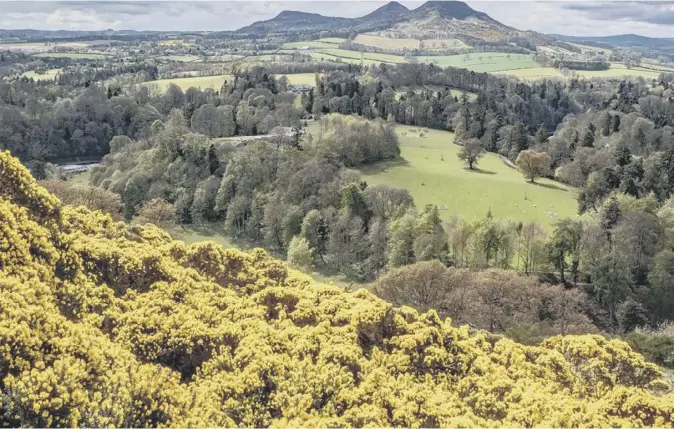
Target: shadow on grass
x,y
548,185
479,171
383,166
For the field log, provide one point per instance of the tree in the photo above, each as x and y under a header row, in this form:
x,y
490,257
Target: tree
x,y
314,230
530,245
533,164
300,254
565,244
471,152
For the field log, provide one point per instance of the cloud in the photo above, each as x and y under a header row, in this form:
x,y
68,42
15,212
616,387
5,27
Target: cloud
x,y
595,18
652,12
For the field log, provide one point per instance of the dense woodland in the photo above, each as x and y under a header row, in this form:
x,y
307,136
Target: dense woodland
x,y
299,197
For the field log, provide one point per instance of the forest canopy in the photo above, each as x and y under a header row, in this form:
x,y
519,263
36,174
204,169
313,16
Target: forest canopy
x,y
104,324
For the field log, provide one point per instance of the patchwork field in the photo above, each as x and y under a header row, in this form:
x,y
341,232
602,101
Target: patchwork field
x,y
430,170
74,55
482,61
395,43
309,44
41,46
202,82
320,56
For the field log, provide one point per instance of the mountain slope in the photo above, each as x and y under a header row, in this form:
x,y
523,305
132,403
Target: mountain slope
x,y
449,10
109,325
391,10
289,21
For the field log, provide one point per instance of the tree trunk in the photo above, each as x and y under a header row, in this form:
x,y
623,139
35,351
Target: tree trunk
x,y
562,267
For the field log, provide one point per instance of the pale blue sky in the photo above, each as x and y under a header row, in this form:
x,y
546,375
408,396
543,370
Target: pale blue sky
x,y
583,18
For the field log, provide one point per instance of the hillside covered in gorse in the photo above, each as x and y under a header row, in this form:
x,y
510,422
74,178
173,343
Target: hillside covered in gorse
x,y
104,324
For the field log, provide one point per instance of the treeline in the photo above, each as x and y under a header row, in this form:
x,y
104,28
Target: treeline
x,y
85,75
581,65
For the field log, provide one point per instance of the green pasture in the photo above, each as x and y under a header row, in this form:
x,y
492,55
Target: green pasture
x,y
301,78
429,169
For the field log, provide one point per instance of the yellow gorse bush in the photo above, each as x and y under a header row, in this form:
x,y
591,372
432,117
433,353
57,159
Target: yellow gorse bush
x,y
102,324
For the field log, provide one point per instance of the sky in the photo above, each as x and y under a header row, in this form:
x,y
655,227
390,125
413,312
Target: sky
x,y
576,18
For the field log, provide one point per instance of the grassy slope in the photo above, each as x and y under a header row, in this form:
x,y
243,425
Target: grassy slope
x,y
471,194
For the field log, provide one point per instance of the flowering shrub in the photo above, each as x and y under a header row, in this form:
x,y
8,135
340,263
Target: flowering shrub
x,y
102,324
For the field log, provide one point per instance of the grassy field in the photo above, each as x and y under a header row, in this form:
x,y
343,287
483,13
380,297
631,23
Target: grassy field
x,y
310,44
619,70
333,40
181,58
482,61
343,53
202,82
74,55
533,73
319,56
49,75
386,42
430,170
301,78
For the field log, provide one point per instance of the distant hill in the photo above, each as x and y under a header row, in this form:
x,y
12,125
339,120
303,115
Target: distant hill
x,y
447,20
619,40
387,15
288,21
449,10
